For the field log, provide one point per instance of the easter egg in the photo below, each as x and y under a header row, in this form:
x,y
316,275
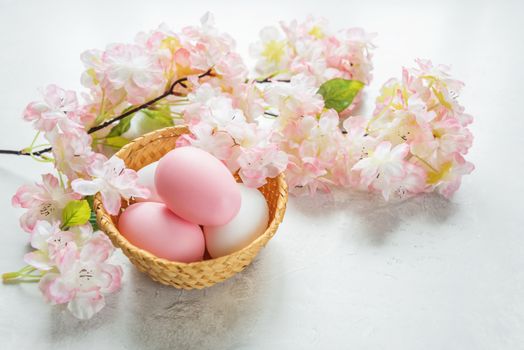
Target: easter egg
x,y
249,223
197,186
151,226
146,178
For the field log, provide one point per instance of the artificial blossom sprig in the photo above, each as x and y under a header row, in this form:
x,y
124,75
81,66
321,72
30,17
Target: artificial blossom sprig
x,y
298,117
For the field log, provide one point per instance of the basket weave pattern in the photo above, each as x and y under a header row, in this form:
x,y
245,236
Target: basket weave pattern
x,y
149,148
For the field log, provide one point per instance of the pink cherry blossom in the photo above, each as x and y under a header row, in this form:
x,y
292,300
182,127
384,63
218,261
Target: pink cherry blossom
x,y
350,53
44,201
129,67
250,99
259,163
211,106
72,153
413,182
49,241
315,144
306,175
164,45
310,60
452,136
419,109
206,44
58,110
272,51
423,112
113,180
358,143
83,276
297,98
123,72
231,70
312,49
311,28
383,166
206,137
449,178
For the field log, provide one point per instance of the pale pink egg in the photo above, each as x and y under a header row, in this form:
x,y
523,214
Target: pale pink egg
x,y
197,186
153,227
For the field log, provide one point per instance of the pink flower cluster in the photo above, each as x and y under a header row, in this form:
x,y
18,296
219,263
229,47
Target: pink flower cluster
x,y
414,142
124,75
73,261
296,118
43,201
228,120
63,122
113,180
311,48
420,115
75,266
221,128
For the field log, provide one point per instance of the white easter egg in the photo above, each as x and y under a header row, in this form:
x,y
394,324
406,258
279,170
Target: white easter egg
x,y
250,222
146,177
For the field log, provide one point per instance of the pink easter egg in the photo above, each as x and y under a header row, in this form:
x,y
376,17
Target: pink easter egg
x,y
197,186
153,227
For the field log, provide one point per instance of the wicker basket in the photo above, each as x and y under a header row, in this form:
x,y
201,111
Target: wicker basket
x,y
149,148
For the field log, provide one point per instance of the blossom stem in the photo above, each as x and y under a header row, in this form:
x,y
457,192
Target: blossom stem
x,y
34,141
270,80
426,163
22,279
61,178
170,92
100,115
378,115
22,275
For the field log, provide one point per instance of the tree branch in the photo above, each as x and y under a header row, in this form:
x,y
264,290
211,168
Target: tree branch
x,y
270,80
147,104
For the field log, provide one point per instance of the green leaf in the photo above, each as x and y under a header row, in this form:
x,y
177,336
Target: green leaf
x,y
155,119
91,201
92,218
121,127
116,141
76,213
160,118
338,93
93,222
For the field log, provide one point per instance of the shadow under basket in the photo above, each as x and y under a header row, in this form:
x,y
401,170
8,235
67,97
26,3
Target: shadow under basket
x,y
197,275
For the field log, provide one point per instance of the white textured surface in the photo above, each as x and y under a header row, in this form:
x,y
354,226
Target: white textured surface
x,y
354,274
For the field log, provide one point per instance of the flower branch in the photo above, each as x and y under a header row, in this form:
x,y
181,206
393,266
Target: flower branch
x,y
414,142
170,92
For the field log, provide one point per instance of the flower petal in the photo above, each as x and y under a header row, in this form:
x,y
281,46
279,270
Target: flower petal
x,y
86,304
85,187
112,201
38,260
110,278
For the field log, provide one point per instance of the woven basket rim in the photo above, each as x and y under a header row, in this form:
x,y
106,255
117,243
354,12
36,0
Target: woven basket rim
x,y
124,243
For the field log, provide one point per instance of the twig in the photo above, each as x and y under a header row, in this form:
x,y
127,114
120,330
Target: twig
x,y
167,93
269,80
